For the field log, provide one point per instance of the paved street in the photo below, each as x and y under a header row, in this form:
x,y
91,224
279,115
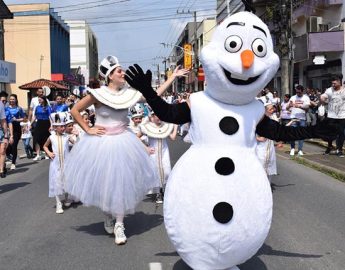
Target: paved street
x,y
307,232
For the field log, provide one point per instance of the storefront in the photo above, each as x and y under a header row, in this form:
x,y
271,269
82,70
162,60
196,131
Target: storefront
x,y
7,74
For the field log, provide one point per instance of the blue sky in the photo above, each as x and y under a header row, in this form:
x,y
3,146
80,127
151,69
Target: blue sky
x,y
132,30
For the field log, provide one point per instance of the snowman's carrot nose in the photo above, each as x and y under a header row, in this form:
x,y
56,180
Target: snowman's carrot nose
x,y
247,58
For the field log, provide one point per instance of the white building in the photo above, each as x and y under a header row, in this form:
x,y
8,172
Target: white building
x,y
84,50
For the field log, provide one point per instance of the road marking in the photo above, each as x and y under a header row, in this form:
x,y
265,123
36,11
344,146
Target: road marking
x,y
155,266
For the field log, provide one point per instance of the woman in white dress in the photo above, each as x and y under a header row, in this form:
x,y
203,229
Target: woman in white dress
x,y
109,168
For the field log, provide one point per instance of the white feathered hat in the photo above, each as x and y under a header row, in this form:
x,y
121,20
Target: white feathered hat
x,y
107,65
58,119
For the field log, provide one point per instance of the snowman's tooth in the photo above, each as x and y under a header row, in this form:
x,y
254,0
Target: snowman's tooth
x,y
239,77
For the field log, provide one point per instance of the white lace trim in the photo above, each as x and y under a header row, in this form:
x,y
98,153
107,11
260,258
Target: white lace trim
x,y
158,132
122,99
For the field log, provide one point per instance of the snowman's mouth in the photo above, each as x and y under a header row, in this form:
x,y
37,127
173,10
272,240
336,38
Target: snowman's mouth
x,y
238,81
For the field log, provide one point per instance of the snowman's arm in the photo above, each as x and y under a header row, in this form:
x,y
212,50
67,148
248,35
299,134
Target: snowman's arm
x,y
273,130
171,113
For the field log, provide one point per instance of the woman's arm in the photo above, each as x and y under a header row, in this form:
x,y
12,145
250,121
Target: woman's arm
x,y
81,106
171,113
178,72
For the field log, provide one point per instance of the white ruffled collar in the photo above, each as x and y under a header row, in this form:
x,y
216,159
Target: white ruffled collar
x,y
157,132
122,99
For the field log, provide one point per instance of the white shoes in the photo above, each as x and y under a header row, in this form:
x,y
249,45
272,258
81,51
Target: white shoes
x,y
37,158
109,224
46,157
292,152
119,231
13,167
159,198
300,153
59,209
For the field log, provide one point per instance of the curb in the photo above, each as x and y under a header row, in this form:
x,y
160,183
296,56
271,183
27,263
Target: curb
x,y
335,173
319,143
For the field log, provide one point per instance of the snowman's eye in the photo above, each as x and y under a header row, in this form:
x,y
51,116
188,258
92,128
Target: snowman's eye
x,y
259,47
233,44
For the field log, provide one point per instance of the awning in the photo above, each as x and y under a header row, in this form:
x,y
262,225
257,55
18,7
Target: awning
x,y
43,82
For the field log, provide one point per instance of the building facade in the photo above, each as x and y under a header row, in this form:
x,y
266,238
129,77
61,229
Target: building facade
x,y
84,50
37,41
7,69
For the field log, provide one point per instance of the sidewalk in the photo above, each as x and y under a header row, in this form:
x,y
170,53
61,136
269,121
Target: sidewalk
x,y
313,157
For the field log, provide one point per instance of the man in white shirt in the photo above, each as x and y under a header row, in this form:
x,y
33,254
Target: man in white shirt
x,y
299,105
335,98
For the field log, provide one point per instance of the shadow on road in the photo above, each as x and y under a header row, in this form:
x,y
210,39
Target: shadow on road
x,y
25,164
137,223
255,262
12,186
275,186
17,170
141,222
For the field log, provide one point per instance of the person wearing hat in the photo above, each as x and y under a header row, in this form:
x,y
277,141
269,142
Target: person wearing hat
x,y
158,132
59,145
109,167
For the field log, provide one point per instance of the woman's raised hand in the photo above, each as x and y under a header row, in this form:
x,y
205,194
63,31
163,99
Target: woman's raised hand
x,y
179,72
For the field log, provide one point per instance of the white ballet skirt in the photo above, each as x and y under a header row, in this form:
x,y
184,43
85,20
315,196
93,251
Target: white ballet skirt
x,y
56,168
113,171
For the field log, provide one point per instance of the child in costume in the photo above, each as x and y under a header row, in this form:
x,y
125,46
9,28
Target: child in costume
x,y
265,148
59,145
136,119
109,167
26,136
157,133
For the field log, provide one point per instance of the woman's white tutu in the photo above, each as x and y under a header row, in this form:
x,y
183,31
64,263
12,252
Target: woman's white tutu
x,y
112,172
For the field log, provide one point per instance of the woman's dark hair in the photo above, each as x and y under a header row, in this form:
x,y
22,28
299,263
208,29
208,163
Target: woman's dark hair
x,y
15,96
45,101
287,95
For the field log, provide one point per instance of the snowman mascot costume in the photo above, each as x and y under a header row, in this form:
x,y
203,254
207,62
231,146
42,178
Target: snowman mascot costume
x,y
218,201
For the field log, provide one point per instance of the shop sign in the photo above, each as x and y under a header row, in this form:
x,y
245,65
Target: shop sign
x,y
7,72
187,49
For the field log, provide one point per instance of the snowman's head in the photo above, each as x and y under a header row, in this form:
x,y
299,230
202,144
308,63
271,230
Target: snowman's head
x,y
239,61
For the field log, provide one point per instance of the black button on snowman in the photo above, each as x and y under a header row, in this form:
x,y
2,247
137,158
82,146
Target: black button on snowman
x,y
218,201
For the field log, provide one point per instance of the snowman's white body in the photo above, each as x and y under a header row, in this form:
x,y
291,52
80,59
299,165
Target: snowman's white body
x,y
194,188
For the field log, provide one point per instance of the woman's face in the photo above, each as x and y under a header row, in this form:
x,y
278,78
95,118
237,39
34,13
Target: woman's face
x,y
118,76
270,109
40,101
13,101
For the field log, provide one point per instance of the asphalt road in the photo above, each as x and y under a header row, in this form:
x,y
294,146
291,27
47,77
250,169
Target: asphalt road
x,y
308,230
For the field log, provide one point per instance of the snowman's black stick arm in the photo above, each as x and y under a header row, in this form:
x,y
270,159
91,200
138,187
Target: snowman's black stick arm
x,y
273,130
171,113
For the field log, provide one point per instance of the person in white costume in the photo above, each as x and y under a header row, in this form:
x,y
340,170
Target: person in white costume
x,y
158,132
230,224
265,148
109,167
59,144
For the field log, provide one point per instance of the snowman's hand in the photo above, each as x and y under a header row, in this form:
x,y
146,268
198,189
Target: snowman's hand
x,y
271,129
141,81
171,113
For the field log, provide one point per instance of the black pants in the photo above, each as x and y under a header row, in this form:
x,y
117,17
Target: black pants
x,y
341,136
12,149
